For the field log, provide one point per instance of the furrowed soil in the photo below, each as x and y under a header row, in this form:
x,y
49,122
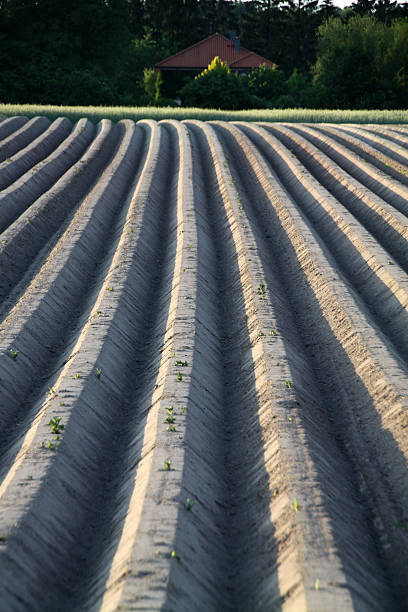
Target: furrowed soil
x,y
203,366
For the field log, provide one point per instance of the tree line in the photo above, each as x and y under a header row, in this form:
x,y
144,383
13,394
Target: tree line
x,y
101,52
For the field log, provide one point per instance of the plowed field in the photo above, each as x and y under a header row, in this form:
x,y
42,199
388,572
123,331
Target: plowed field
x,y
203,366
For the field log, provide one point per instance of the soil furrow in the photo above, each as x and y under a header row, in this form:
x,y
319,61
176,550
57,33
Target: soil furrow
x,y
388,158
203,366
384,186
139,577
224,465
385,223
35,229
10,125
361,259
41,325
362,388
20,138
376,142
399,137
39,148
19,196
106,414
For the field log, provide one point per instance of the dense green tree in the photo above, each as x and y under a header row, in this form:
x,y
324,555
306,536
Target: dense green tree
x,y
351,69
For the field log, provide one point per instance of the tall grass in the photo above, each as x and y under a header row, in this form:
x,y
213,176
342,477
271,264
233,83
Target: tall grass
x,y
290,115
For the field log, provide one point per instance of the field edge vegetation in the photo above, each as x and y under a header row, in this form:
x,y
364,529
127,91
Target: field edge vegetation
x,y
289,115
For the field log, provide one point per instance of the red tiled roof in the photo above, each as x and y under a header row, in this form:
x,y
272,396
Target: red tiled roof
x,y
198,56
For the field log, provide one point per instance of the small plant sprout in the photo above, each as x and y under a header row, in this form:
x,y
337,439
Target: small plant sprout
x,y
317,584
29,477
277,363
272,332
183,364
14,354
261,291
288,384
171,428
51,390
262,334
184,408
98,373
290,418
130,230
3,538
76,375
170,419
42,444
179,377
275,493
167,464
296,505
190,504
174,555
55,425
50,446
110,288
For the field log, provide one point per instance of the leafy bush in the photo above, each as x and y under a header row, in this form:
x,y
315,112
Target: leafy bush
x,y
266,83
216,87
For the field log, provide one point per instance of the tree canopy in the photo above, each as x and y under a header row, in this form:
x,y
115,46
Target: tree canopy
x,y
98,51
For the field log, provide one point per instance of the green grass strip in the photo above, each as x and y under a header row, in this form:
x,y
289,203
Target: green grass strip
x,y
290,115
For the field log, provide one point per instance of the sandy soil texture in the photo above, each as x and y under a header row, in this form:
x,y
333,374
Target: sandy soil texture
x,y
203,366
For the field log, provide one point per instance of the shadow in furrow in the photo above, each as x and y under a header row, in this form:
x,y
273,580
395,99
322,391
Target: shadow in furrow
x,y
37,227
367,515
35,152
55,317
227,543
352,167
21,194
384,233
385,309
87,492
10,125
20,138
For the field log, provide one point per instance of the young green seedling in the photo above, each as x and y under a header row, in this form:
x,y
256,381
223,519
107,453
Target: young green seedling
x,y
76,375
98,373
14,353
183,364
29,477
173,555
179,377
272,332
167,464
261,291
190,504
288,384
184,408
55,424
171,428
296,505
51,390
110,288
317,584
170,419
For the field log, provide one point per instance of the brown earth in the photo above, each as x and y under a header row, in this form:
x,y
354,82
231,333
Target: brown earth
x,y
218,314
